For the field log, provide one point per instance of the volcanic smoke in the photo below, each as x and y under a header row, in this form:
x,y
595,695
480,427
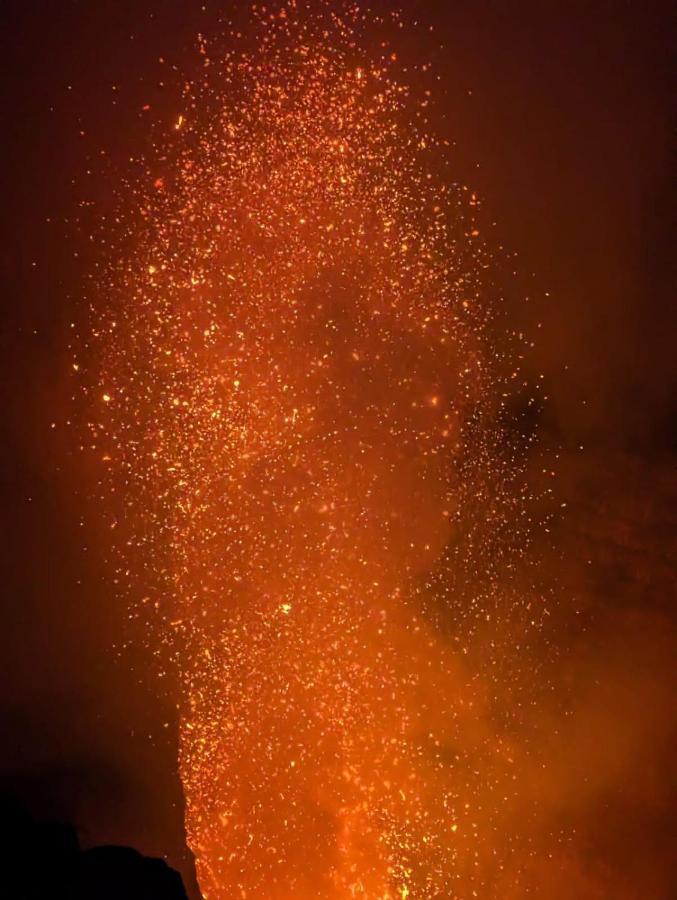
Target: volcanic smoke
x,y
297,406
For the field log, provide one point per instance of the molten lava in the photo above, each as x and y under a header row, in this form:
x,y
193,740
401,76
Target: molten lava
x,y
295,401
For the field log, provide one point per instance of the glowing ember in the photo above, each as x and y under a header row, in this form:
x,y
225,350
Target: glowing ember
x,y
294,399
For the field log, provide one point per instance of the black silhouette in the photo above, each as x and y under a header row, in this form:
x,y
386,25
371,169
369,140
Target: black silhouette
x,y
43,861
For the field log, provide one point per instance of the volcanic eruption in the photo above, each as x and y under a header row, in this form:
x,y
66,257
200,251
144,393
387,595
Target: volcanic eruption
x,y
298,410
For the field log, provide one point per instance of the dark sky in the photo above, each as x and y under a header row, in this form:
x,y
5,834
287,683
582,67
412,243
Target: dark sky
x,y
562,114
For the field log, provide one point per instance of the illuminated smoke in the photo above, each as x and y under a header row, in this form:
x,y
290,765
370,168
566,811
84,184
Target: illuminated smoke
x,y
295,403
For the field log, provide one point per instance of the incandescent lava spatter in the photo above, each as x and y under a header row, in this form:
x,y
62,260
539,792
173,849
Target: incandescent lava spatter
x,y
296,401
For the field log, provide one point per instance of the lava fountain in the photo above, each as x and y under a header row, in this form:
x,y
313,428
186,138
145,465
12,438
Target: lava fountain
x,y
293,394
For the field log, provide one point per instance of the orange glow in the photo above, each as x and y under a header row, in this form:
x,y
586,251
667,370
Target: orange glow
x,y
302,436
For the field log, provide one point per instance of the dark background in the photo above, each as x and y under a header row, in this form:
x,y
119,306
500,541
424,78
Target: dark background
x,y
562,116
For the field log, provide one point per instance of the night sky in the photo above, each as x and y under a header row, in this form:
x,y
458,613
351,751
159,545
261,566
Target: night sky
x,y
562,115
